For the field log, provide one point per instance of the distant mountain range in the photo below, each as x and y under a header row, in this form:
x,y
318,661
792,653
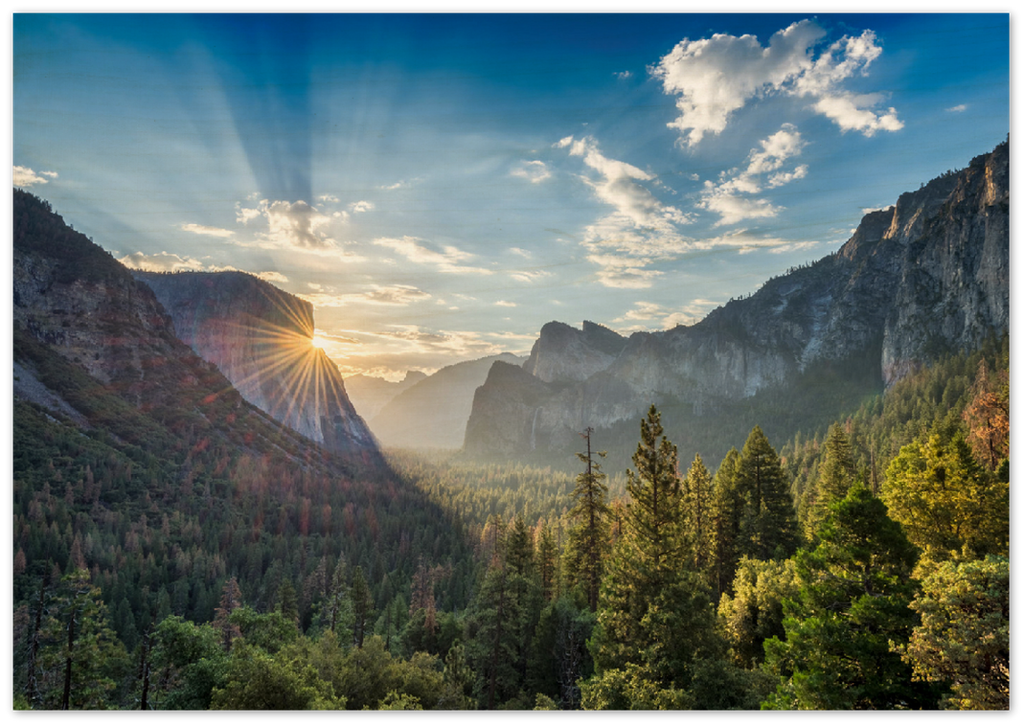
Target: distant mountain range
x,y
926,276
424,411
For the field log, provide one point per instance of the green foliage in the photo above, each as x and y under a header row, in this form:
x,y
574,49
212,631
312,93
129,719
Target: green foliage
x,y
854,601
767,523
948,504
80,660
189,661
256,681
655,618
754,613
588,534
964,635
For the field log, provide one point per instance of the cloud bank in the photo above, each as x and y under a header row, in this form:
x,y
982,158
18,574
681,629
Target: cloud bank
x,y
714,77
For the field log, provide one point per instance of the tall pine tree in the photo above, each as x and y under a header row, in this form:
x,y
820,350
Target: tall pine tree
x,y
768,521
655,617
588,537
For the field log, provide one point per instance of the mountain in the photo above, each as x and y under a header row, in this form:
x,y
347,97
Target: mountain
x,y
260,338
369,394
139,461
433,412
926,276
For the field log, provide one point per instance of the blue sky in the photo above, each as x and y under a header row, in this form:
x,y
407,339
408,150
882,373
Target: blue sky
x,y
440,186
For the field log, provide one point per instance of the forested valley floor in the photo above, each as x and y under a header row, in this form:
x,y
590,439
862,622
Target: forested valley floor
x,y
863,564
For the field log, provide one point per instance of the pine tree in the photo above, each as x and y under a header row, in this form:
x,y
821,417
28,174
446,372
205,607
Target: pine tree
x,y
230,600
768,521
655,617
948,504
835,476
696,497
362,607
726,515
853,609
588,537
82,655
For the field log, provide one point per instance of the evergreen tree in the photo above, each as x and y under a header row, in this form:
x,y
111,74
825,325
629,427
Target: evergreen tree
x,y
287,602
768,521
81,660
547,563
855,593
726,515
696,496
362,607
655,617
588,536
948,504
964,635
835,476
230,600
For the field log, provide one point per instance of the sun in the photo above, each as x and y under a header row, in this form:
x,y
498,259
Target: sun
x,y
318,342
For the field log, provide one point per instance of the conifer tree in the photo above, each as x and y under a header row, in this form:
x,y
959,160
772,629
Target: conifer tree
x,y
655,617
230,600
696,517
362,607
588,537
835,476
948,504
852,611
726,514
81,652
768,521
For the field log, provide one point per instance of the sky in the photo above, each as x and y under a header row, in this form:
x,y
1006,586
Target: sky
x,y
441,186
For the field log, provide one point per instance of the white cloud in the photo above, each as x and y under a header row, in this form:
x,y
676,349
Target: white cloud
x,y
714,77
526,253
533,171
328,198
358,207
640,229
529,275
161,262
624,74
272,277
730,196
207,231
25,177
957,109
664,317
505,303
289,224
448,261
398,295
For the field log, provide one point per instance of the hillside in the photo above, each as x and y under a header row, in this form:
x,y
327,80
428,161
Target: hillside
x,y
927,276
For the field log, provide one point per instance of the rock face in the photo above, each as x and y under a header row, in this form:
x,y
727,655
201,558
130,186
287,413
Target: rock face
x,y
74,297
927,276
433,412
261,340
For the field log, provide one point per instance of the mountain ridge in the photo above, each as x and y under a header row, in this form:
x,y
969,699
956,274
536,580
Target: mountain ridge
x,y
260,337
926,275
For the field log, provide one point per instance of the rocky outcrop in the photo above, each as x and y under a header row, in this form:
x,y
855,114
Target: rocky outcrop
x,y
433,412
565,354
74,297
927,276
261,340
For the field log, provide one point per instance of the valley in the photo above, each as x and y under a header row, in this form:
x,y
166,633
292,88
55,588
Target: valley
x,y
197,484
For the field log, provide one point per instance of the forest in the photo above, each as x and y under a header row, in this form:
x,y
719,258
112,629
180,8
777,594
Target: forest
x,y
861,564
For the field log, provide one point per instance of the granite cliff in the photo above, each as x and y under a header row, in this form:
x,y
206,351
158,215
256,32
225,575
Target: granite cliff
x,y
432,413
926,276
260,338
